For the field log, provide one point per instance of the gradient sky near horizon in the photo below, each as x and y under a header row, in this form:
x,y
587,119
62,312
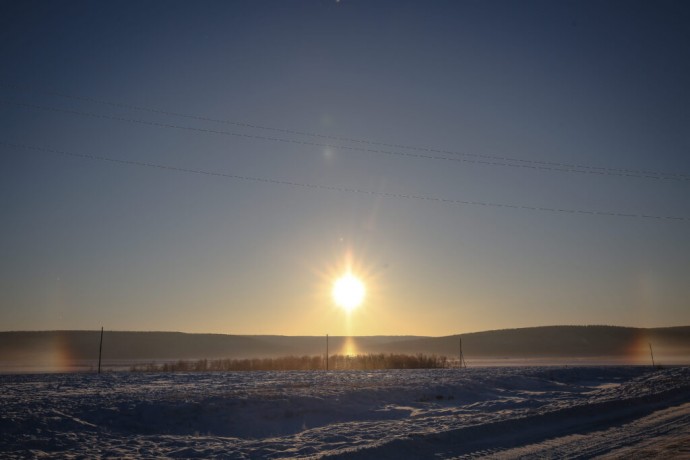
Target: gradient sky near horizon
x,y
479,103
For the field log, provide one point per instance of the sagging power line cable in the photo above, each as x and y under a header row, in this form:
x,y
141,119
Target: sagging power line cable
x,y
333,146
492,160
426,198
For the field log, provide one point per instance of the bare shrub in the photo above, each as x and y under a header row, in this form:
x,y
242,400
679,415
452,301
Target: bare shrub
x,y
371,361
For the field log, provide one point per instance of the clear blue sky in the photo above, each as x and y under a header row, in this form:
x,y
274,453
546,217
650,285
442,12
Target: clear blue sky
x,y
513,90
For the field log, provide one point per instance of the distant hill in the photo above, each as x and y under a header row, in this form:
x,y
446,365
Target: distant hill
x,y
58,349
122,345
557,341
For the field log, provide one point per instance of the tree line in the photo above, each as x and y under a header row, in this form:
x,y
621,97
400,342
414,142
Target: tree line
x,y
371,361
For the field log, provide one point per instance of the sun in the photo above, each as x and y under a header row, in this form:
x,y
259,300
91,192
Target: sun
x,y
348,292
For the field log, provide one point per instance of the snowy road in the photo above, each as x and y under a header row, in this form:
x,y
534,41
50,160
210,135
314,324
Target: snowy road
x,y
662,434
577,412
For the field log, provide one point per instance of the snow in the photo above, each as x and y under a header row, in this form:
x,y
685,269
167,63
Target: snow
x,y
502,412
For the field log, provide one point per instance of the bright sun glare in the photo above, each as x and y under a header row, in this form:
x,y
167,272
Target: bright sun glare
x,y
348,292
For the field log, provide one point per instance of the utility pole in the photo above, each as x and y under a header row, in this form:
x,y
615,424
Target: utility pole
x,y
326,351
652,353
461,357
100,351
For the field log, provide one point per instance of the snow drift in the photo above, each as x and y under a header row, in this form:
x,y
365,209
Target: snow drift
x,y
378,414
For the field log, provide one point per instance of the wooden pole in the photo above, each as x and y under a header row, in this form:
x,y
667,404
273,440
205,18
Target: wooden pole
x,y
462,362
326,351
652,353
100,351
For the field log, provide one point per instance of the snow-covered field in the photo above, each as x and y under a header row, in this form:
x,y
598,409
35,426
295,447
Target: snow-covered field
x,y
497,412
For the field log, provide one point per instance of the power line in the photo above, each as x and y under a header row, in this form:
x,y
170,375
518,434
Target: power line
x,y
333,146
337,188
483,159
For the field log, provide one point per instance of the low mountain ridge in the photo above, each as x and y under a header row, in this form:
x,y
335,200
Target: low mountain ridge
x,y
557,341
630,345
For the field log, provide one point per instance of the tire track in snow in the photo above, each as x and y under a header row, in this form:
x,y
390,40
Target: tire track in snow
x,y
499,439
664,433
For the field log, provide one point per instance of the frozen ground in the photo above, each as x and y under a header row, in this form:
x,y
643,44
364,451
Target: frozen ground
x,y
497,412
